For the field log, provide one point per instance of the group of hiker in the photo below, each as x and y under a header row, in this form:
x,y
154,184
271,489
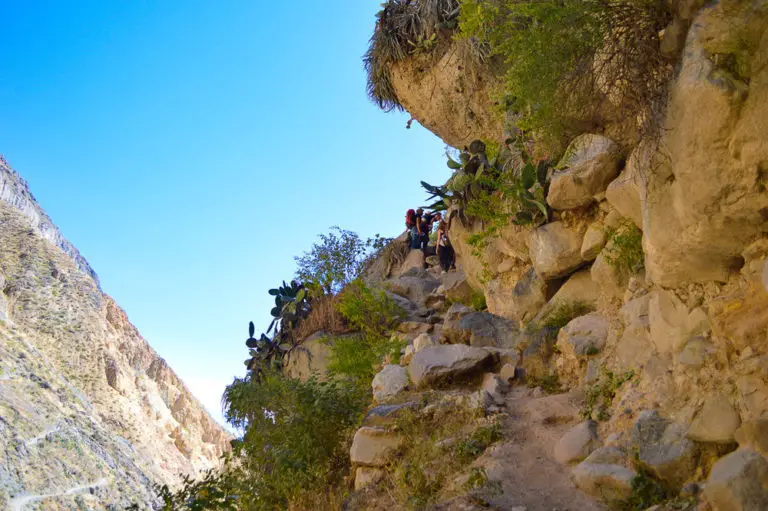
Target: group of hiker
x,y
420,225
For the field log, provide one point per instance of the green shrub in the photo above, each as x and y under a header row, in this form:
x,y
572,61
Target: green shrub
x,y
358,357
337,259
553,47
550,384
403,29
599,396
368,310
624,250
564,313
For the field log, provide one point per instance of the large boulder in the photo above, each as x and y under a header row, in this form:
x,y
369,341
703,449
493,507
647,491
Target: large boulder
x,y
389,382
577,443
483,329
416,285
521,301
457,287
608,482
739,482
626,192
309,359
447,363
373,446
716,422
706,196
583,336
414,260
555,250
579,290
664,450
594,240
590,163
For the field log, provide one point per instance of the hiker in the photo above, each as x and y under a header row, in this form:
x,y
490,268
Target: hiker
x,y
425,229
445,252
416,230
410,226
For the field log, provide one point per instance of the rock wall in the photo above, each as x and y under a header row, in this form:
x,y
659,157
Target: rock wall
x,y
90,415
646,292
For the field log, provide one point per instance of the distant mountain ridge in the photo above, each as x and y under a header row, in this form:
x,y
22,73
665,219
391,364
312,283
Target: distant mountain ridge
x,y
90,416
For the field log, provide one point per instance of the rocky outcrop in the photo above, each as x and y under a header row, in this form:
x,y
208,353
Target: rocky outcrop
x,y
447,364
15,191
449,93
591,162
88,406
706,196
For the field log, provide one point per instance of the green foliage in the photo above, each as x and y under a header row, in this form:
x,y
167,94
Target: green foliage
x,y
358,357
425,463
646,490
214,491
599,396
403,29
550,384
564,313
476,443
477,301
368,310
337,259
295,436
554,48
624,250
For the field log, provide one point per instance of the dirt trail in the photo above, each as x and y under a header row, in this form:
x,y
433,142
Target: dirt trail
x,y
524,461
18,503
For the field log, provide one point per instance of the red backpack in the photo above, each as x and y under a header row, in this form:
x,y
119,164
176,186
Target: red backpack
x,y
410,218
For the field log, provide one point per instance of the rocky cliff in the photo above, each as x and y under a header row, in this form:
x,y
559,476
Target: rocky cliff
x,y
90,415
642,297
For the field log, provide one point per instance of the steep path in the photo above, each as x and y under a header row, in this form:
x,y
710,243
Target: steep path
x,y
524,461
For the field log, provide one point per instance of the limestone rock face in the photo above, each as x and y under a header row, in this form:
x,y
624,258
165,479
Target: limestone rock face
x,y
445,363
373,446
706,195
555,250
738,481
520,302
591,162
672,325
311,360
90,411
452,103
627,192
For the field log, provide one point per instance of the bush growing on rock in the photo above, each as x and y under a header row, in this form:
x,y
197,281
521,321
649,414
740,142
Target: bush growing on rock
x,y
563,55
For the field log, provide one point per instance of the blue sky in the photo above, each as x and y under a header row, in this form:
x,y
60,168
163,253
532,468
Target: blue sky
x,y
191,148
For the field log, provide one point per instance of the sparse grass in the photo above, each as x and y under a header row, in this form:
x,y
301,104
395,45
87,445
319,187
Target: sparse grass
x,y
646,491
435,449
564,313
359,357
550,384
324,316
599,396
403,29
624,250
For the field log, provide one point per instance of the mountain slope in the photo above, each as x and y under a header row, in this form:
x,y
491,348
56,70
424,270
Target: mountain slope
x,y
89,413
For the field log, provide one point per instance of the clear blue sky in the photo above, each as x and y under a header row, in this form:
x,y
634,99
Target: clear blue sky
x,y
191,148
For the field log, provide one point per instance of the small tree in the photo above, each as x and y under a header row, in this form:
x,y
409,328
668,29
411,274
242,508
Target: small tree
x,y
337,259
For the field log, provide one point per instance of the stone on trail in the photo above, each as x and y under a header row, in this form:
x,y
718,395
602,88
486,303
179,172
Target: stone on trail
x,y
446,363
577,443
392,380
457,288
591,162
611,483
482,329
738,481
